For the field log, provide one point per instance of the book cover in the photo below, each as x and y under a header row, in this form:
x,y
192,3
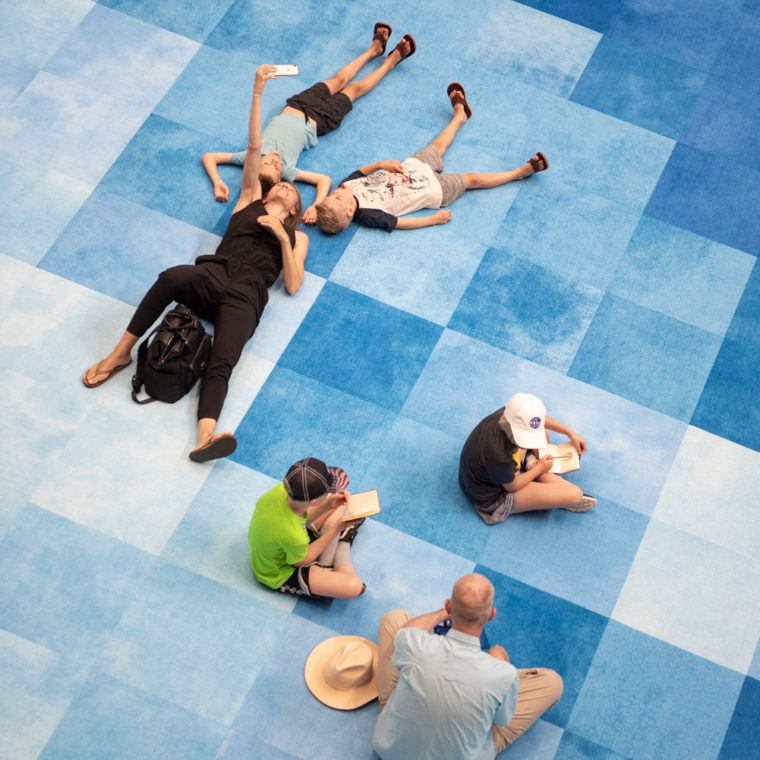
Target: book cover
x,y
362,504
566,458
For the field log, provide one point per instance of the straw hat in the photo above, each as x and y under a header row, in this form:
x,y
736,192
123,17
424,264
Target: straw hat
x,y
341,672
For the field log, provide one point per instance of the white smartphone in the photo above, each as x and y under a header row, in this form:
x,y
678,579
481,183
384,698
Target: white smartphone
x,y
286,70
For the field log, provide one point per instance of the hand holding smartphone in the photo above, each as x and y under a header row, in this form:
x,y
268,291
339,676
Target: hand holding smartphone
x,y
286,70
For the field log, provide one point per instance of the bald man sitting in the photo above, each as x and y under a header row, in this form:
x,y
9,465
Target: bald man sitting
x,y
442,696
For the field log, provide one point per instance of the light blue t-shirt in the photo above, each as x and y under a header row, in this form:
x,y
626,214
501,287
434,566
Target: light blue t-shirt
x,y
288,134
449,692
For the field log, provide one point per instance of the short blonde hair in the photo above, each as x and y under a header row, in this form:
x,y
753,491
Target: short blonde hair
x,y
328,221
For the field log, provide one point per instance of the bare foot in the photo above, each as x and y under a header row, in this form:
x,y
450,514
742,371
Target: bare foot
x,y
380,40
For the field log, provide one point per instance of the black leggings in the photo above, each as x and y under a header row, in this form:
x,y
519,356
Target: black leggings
x,y
207,290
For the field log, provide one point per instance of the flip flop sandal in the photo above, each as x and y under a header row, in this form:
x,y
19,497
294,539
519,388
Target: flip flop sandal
x,y
223,446
377,36
108,375
412,47
536,162
456,94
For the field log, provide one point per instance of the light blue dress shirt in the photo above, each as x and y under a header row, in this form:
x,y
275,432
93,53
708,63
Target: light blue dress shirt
x,y
288,134
448,694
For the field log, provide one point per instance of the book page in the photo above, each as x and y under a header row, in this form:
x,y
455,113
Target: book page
x,y
362,504
566,458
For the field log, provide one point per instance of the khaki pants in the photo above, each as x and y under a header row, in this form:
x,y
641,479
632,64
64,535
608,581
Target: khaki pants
x,y
540,688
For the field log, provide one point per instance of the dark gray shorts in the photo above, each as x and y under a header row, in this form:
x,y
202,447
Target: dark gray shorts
x,y
326,110
452,185
298,583
501,509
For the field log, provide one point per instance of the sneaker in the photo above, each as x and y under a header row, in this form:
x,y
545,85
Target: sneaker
x,y
349,534
587,502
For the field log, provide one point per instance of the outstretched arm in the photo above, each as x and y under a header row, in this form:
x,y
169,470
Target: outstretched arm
x,y
429,620
210,162
389,166
323,183
415,222
579,444
251,188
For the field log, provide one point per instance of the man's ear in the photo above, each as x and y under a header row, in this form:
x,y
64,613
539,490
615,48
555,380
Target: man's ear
x,y
493,613
447,605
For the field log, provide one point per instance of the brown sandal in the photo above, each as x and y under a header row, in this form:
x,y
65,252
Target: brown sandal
x,y
456,94
377,36
109,373
220,445
539,162
400,44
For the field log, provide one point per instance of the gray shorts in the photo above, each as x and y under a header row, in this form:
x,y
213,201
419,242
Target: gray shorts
x,y
499,511
452,185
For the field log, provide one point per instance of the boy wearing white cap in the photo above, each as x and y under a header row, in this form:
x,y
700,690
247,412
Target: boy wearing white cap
x,y
500,477
298,541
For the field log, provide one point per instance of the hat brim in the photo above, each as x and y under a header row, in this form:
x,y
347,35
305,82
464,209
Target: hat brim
x,y
529,439
340,699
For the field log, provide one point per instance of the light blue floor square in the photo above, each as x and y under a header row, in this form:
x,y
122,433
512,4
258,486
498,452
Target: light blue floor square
x,y
315,425
190,18
63,586
38,688
239,746
583,558
85,123
156,57
382,350
381,557
682,275
525,309
213,95
212,538
676,591
172,180
415,472
119,248
640,87
110,719
27,234
267,715
32,30
675,688
510,40
624,339
718,509
14,77
568,231
212,671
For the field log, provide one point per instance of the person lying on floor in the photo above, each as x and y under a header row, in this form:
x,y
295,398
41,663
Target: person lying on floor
x,y
378,194
298,540
310,114
228,288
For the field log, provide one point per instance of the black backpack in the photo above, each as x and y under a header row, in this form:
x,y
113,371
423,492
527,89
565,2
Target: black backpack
x,y
170,363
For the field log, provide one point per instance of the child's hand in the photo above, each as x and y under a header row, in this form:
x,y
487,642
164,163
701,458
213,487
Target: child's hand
x,y
221,192
442,216
392,166
264,72
310,215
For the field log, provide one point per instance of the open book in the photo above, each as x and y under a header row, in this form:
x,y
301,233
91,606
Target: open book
x,y
566,458
362,504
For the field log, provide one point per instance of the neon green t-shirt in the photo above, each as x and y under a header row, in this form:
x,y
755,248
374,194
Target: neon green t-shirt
x,y
277,538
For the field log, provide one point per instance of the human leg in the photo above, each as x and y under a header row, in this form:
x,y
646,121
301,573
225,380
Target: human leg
x,y
483,181
234,323
185,284
548,491
355,90
387,675
540,690
342,582
340,79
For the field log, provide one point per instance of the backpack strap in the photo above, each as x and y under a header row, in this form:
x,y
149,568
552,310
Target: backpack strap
x,y
137,378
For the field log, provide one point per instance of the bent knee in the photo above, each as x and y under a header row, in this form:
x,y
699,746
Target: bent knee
x,y
574,494
355,587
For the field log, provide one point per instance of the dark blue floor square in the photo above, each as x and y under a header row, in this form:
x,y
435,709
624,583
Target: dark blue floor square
x,y
709,195
161,169
730,402
737,66
361,346
646,356
526,309
693,33
190,18
540,630
743,736
294,416
639,87
595,15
